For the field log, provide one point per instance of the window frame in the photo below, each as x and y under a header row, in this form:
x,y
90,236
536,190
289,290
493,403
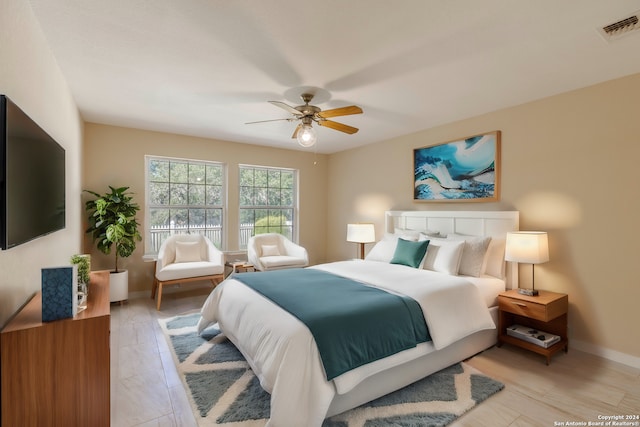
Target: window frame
x,y
294,206
150,250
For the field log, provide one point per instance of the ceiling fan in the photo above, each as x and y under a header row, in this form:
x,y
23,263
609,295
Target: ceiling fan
x,y
307,114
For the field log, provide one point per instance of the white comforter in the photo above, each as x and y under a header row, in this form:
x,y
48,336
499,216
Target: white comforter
x,y
283,353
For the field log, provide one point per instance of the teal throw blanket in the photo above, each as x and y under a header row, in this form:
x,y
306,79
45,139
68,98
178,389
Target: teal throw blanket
x,y
352,324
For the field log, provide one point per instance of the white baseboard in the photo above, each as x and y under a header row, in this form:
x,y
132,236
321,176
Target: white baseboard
x,y
606,353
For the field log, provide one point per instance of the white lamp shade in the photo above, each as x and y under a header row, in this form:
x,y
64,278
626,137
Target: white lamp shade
x,y
361,233
531,247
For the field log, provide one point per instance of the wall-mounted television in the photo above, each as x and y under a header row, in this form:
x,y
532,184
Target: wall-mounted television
x,y
32,178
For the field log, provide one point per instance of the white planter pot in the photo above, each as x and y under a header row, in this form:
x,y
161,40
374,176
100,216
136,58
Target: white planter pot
x,y
119,285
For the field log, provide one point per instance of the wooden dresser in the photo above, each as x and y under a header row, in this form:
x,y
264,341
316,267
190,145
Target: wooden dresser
x,y
57,373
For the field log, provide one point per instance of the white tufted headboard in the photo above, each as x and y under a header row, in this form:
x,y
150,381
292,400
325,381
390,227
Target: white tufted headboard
x,y
474,223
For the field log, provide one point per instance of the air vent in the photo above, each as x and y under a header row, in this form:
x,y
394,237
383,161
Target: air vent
x,y
620,28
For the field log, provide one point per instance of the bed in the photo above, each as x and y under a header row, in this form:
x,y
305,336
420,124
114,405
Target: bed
x,y
459,310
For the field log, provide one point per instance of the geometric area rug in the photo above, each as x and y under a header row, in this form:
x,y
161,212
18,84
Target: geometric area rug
x,y
224,392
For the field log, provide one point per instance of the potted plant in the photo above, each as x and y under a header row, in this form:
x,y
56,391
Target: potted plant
x,y
112,224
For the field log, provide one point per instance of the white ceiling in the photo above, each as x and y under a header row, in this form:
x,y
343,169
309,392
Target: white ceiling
x,y
205,67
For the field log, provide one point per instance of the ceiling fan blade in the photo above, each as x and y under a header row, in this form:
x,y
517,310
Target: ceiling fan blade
x,y
344,111
338,126
264,121
286,107
295,132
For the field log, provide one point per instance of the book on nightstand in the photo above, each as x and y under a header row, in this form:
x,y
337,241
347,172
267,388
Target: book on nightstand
x,y
534,336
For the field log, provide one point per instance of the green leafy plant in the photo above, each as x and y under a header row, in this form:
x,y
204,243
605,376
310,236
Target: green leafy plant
x,y
112,221
270,224
83,267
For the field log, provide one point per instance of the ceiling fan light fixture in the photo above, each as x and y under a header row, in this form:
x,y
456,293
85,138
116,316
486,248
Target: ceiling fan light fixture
x,y
307,136
307,114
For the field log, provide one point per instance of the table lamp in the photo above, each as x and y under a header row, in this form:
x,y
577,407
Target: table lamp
x,y
361,233
530,247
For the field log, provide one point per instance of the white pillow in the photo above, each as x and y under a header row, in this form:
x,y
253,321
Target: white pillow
x,y
270,250
426,235
475,249
383,250
188,252
407,234
494,259
443,256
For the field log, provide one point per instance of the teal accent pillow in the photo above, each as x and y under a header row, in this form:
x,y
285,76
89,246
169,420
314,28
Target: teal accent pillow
x,y
409,253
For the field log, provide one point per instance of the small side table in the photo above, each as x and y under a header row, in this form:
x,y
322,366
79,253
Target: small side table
x,y
238,267
546,312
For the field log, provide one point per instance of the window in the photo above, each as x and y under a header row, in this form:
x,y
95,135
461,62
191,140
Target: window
x,y
183,196
268,200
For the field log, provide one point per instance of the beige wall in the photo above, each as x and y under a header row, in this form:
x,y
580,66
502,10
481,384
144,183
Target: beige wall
x,y
569,165
29,75
115,156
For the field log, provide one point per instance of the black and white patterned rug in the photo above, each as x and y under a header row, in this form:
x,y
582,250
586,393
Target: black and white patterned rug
x,y
224,392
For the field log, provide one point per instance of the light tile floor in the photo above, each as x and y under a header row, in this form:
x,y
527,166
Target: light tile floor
x,y
146,390
145,387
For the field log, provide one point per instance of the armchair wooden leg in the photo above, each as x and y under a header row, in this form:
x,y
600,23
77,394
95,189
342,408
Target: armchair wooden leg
x,y
215,280
154,287
158,284
159,296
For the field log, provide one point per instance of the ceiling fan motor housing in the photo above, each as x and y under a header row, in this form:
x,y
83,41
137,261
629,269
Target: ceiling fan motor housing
x,y
306,109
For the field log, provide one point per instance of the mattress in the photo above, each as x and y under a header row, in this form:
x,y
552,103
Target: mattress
x,y
489,288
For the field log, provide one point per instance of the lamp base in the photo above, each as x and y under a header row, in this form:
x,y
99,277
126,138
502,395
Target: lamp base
x,y
529,292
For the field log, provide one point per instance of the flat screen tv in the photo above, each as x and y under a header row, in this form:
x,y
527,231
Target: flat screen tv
x,y
32,178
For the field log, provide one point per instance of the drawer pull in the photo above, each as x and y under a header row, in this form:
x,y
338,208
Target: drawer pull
x,y
519,304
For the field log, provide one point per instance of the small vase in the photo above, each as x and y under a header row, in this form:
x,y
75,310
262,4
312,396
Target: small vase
x,y
83,295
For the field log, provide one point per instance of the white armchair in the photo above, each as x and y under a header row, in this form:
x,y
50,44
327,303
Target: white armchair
x,y
273,251
184,258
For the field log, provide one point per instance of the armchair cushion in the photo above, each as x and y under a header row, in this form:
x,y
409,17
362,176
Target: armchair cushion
x,y
187,252
282,261
185,270
270,250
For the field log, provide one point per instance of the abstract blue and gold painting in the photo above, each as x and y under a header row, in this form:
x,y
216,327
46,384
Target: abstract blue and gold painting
x,y
463,170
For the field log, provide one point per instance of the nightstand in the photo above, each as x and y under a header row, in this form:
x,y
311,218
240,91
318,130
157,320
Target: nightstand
x,y
546,312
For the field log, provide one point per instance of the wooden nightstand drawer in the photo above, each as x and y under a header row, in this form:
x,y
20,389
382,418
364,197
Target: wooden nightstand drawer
x,y
542,307
523,308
